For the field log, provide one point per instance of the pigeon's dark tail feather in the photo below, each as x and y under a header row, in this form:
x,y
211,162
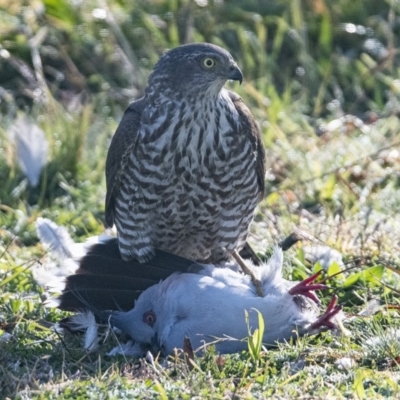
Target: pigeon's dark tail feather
x,y
248,253
106,282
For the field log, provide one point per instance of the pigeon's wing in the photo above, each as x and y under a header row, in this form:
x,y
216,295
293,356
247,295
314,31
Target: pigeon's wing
x,y
121,146
107,282
250,129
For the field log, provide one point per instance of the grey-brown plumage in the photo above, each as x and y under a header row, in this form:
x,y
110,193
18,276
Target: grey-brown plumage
x,y
185,169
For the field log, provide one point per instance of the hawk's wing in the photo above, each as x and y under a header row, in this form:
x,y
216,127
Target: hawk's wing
x,y
121,145
251,130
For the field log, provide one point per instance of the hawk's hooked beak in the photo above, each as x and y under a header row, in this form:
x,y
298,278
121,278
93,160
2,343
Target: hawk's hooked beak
x,y
235,73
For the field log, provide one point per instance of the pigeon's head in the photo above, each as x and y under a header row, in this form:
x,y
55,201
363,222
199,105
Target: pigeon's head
x,y
193,69
141,322
156,312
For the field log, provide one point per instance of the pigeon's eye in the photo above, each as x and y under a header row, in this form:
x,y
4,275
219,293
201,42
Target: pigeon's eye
x,y
208,62
149,318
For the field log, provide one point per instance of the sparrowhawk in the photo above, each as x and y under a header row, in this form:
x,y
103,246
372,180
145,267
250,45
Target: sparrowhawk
x,y
185,168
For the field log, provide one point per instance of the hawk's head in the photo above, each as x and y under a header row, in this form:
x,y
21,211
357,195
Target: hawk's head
x,y
194,69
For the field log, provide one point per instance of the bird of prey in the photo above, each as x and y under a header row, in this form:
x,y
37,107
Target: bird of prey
x,y
206,303
185,168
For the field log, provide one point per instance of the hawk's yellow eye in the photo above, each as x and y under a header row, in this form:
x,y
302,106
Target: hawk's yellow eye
x,y
208,62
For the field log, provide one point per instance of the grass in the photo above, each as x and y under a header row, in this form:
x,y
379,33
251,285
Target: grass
x,y
73,69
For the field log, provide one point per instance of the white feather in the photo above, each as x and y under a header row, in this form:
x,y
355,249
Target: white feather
x,y
130,348
50,274
32,148
51,302
86,321
91,337
325,255
55,237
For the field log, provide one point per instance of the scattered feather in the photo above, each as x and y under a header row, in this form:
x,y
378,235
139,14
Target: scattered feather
x,y
150,358
129,348
54,237
50,274
22,221
85,321
91,337
325,255
345,363
52,302
371,308
32,148
345,125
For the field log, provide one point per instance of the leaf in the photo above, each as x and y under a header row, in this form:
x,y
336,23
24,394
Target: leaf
x,y
18,271
360,376
62,13
15,305
261,327
325,37
370,275
317,267
328,188
334,269
255,339
272,199
160,390
252,344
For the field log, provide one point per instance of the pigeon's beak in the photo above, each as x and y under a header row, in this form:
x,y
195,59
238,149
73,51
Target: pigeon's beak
x,y
155,344
235,73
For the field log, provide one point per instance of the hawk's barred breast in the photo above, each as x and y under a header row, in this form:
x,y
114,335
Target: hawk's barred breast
x,y
190,168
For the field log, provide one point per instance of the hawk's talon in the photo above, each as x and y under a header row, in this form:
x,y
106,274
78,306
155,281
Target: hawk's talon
x,y
248,271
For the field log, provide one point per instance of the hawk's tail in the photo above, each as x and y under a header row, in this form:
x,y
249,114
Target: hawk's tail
x,y
106,282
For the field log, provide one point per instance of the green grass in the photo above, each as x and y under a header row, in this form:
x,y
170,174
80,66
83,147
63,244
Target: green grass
x,y
74,68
